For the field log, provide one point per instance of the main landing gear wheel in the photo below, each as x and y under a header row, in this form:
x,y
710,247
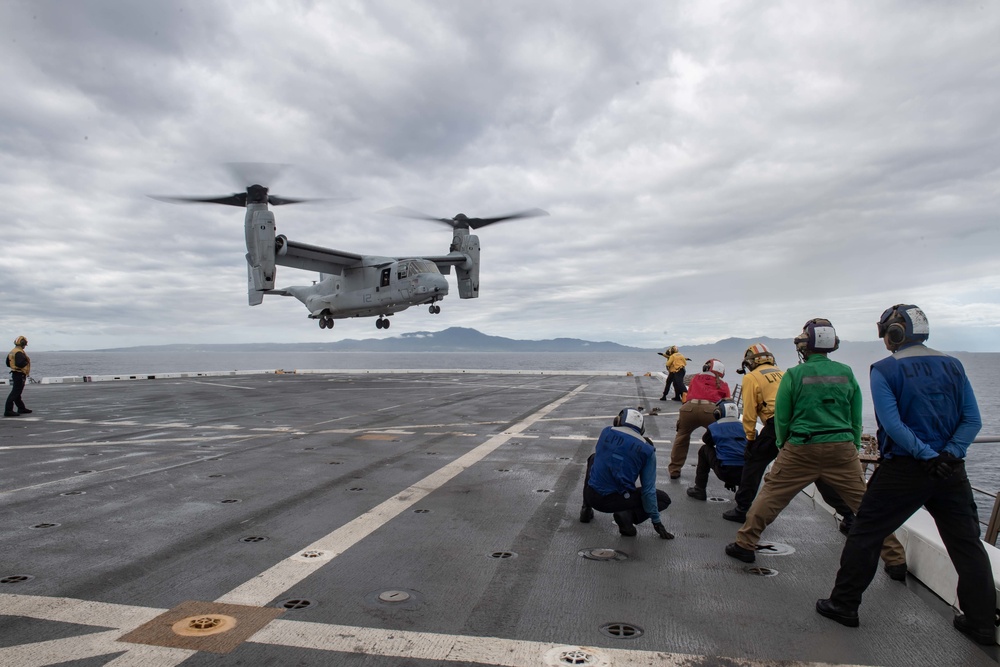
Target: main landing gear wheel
x,y
434,310
382,323
326,323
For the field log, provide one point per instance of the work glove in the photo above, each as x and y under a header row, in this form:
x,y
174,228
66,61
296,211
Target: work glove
x,y
662,532
941,466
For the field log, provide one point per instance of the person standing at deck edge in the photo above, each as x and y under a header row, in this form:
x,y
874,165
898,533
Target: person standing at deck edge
x,y
20,369
622,455
927,416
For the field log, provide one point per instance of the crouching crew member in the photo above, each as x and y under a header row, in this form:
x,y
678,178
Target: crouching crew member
x,y
623,455
722,453
706,389
927,416
20,369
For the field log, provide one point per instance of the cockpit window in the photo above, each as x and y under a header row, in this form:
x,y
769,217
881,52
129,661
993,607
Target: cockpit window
x,y
414,266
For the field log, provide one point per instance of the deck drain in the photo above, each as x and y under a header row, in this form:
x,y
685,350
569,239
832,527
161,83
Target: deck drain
x,y
308,449
228,501
45,525
621,630
335,463
717,499
356,488
503,469
421,511
762,571
543,490
501,555
312,556
394,596
203,625
16,578
83,472
602,553
774,549
573,655
73,493
565,458
296,603
92,454
216,475
253,538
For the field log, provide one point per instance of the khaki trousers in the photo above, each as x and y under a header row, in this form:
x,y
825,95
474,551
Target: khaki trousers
x,y
690,417
798,466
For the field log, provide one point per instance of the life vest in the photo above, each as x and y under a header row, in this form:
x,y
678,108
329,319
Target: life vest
x,y
12,361
729,440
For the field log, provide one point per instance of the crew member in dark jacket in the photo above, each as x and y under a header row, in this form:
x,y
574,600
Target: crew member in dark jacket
x,y
723,451
20,369
927,416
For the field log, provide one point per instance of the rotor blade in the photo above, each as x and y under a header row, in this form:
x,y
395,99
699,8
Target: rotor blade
x,y
403,212
476,223
235,199
255,173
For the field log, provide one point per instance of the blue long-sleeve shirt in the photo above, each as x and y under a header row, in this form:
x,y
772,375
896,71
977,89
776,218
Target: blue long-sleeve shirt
x,y
622,455
933,390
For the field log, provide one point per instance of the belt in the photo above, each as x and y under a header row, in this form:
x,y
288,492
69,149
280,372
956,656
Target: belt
x,y
700,400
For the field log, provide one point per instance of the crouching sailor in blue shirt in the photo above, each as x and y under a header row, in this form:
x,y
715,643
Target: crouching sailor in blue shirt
x,y
622,456
723,451
927,416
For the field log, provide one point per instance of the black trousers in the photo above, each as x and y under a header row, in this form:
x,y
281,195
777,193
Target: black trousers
x,y
899,488
14,397
760,452
708,460
617,502
675,379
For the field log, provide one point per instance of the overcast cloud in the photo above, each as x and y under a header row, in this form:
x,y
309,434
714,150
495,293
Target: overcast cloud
x,y
712,169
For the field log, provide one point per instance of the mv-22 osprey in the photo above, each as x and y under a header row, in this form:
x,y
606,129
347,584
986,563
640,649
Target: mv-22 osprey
x,y
353,285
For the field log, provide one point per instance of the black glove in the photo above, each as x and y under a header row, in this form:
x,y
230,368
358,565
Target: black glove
x,y
662,532
941,466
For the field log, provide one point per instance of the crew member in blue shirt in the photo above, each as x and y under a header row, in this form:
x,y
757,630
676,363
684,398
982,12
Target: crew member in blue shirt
x,y
927,416
723,451
622,455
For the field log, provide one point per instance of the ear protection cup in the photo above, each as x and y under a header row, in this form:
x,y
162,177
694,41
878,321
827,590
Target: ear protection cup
x,y
896,333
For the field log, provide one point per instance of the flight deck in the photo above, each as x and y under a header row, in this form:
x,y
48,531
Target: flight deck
x,y
399,519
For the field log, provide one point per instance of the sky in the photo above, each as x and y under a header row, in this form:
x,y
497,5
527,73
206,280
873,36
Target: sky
x,y
711,169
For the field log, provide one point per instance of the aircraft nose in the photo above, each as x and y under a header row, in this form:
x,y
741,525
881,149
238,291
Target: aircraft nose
x,y
439,285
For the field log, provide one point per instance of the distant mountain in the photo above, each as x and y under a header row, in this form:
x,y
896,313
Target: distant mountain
x,y
454,339
462,339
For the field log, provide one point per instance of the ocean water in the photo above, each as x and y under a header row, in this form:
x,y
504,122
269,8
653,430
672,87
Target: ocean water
x,y
983,369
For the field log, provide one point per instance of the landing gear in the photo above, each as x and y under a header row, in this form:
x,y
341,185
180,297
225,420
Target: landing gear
x,y
325,322
382,323
434,310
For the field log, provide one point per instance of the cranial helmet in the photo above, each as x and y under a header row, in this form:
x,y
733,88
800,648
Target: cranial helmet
x,y
757,354
818,335
726,409
20,341
715,367
671,350
633,418
903,323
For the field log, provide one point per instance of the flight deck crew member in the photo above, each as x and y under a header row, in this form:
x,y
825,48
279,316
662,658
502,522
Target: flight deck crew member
x,y
20,369
706,389
761,378
622,455
676,368
722,453
927,416
817,425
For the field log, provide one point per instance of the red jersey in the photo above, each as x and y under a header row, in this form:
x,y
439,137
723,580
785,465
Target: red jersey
x,y
707,387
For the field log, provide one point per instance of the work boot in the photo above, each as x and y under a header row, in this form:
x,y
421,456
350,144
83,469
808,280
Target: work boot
x,y
735,514
8,413
675,475
697,493
896,572
663,398
736,551
676,398
24,411
842,615
586,514
625,525
846,523
985,636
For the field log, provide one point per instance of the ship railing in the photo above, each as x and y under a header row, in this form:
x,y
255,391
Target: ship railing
x,y
869,457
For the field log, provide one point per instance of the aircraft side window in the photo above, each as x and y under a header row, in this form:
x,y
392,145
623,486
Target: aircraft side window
x,y
386,275
402,271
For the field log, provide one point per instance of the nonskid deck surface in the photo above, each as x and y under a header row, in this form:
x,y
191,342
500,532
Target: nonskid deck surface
x,y
417,519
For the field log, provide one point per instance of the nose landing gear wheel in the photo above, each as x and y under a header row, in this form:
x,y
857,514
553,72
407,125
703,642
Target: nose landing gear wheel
x,y
434,310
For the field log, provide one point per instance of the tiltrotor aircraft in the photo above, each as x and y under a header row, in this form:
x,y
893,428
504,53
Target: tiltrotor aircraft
x,y
353,285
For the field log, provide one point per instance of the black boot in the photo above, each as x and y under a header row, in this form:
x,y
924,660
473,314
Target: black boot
x,y
586,514
625,524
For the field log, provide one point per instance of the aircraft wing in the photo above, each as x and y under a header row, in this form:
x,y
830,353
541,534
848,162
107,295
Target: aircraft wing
x,y
445,262
315,258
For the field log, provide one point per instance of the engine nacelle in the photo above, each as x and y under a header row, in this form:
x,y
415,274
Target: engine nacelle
x,y
259,227
468,272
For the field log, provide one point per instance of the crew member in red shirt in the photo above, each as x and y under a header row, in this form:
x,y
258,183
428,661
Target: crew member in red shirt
x,y
706,389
